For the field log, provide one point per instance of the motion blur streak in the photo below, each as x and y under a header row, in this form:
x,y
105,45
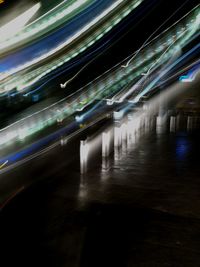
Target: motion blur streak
x,y
114,92
143,45
3,164
13,27
191,75
53,16
70,40
21,81
149,87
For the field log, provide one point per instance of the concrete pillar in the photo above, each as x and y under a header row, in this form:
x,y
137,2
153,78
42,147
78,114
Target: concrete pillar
x,y
147,124
105,164
172,124
161,123
117,136
84,149
124,130
130,133
106,138
189,123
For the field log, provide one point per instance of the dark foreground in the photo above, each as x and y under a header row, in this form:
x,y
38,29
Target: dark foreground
x,y
143,211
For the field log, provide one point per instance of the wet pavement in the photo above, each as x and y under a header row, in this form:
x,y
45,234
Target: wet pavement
x,y
143,209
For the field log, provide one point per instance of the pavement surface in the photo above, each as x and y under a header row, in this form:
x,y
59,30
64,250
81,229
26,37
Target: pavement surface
x,y
143,211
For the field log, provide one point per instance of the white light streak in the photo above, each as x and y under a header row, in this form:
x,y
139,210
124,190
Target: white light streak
x,y
67,42
14,26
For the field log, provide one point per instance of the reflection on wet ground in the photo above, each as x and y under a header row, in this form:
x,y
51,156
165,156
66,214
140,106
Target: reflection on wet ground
x,y
139,208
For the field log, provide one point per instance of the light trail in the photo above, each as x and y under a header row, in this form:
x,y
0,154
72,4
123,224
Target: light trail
x,y
143,45
191,75
18,191
21,83
192,65
149,87
191,30
4,164
14,26
153,66
44,22
188,35
45,144
103,87
65,43
63,85
37,126
31,154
